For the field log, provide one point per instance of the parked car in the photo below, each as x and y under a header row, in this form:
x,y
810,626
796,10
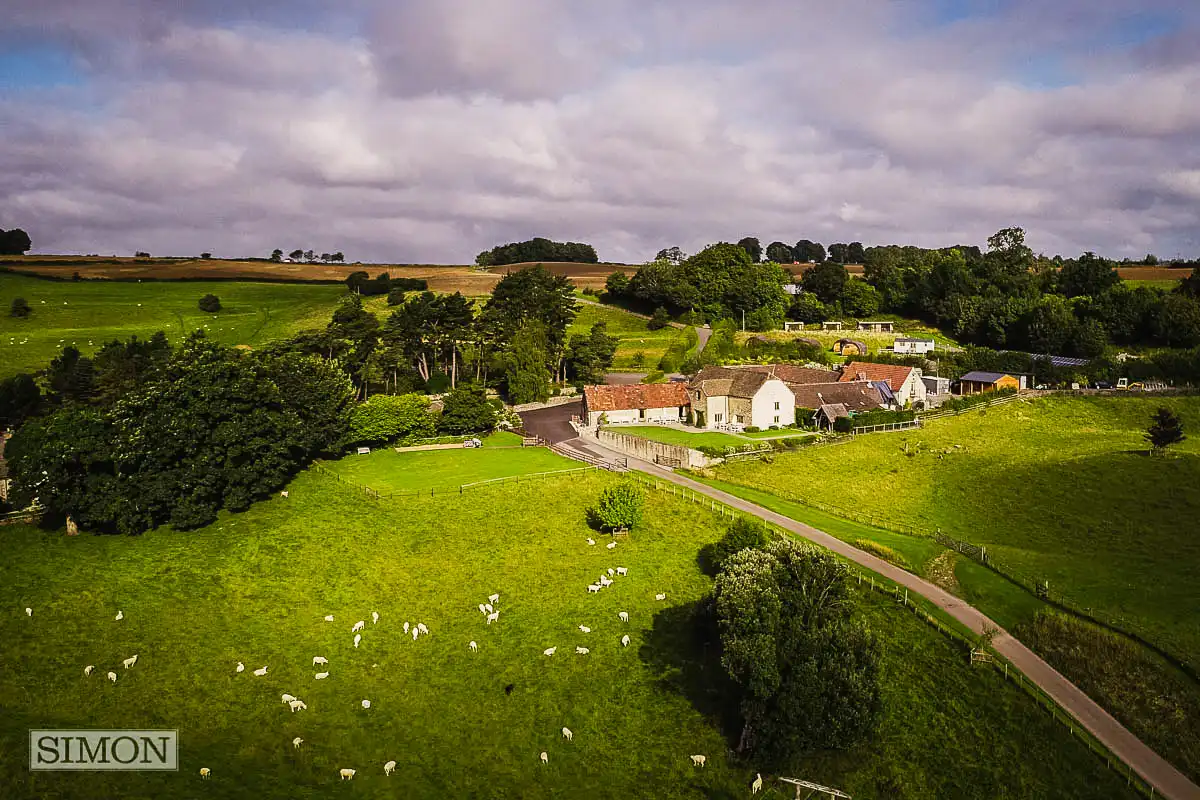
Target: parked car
x,y
472,443
1104,384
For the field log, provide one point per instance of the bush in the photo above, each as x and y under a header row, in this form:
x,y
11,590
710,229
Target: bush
x,y
883,551
752,429
395,296
467,410
385,418
210,303
19,308
843,425
742,533
619,506
659,319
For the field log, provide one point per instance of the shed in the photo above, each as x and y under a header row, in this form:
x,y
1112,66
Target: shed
x,y
850,347
978,382
826,414
831,326
878,326
907,345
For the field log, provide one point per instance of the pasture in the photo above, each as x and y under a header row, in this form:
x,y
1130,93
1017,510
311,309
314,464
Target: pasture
x,y
254,587
633,336
87,314
1058,489
700,438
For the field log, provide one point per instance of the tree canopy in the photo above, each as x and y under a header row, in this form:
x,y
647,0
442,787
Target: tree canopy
x,y
15,242
537,249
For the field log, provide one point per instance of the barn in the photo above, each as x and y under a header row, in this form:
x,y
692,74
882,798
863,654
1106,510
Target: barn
x,y
655,402
978,382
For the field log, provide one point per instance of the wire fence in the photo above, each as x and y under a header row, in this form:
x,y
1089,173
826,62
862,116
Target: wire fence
x,y
927,612
435,491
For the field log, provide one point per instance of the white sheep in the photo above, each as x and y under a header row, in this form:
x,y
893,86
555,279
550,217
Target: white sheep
x,y
297,742
87,671
611,545
605,581
545,758
297,705
567,734
406,629
240,667
389,768
129,662
374,617
622,571
581,651
421,627
260,672
347,774
287,698
625,640
660,597
757,785
585,629
320,660
493,598
28,611
357,639
120,616
698,761
623,616
610,572
204,771
366,703
492,617
473,646
320,676
329,617
549,651
415,633
483,609
488,607
283,493
593,588
591,541
358,626
112,676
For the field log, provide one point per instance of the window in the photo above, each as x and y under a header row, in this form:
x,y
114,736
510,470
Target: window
x,y
777,408
740,418
777,419
718,417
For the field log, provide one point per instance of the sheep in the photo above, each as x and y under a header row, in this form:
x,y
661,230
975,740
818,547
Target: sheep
x,y
611,545
28,611
416,633
320,676
488,607
545,758
120,616
406,629
605,581
347,774
585,629
298,705
112,676
240,667
581,651
389,768
623,616
357,639
87,671
622,571
374,617
492,617
329,617
493,598
593,588
568,735
660,597
483,609
204,771
320,660
297,742
591,541
129,662
698,761
610,572
474,647
757,785
287,698
366,703
358,626
625,640
283,493
260,672
421,627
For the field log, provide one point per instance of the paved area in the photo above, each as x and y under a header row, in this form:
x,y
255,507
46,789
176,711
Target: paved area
x,y
553,424
1166,779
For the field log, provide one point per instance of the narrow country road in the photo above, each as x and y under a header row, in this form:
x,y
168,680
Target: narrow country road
x,y
1166,779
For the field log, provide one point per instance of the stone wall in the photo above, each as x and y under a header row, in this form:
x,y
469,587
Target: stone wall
x,y
646,449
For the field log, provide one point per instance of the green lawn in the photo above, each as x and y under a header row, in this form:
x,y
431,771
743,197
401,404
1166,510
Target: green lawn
x,y
387,471
700,438
254,587
631,331
1058,489
90,313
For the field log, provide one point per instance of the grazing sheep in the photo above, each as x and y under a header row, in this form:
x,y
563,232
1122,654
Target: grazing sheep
x,y
757,785
593,587
320,660
320,676
240,667
483,609
585,629
698,761
611,545
297,742
28,611
374,617
545,758
660,597
591,541
611,572
204,771
488,607
568,735
120,616
260,672
623,616
581,651
625,640
406,629
358,626
389,768
298,705
129,662
357,639
287,698
421,627
88,669
283,494
366,703
416,633
473,646
605,581
329,617
492,617
347,774
549,651
622,571
493,598
112,676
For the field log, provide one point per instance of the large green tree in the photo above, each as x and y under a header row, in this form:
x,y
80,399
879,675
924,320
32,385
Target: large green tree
x,y
780,253
826,281
752,247
590,356
1087,275
533,294
385,418
466,409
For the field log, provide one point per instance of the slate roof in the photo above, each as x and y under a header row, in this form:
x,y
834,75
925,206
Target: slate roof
x,y
894,374
789,373
979,376
728,382
855,396
636,396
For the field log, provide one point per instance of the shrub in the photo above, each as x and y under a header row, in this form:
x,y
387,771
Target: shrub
x,y
210,303
385,418
742,533
659,320
467,410
843,425
752,429
883,551
19,308
619,506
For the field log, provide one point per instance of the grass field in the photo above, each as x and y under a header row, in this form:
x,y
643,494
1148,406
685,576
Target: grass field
x,y
387,471
1167,284
90,313
254,588
700,438
631,331
1059,489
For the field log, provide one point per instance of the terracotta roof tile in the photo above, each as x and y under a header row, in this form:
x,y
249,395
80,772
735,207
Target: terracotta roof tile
x,y
894,374
636,396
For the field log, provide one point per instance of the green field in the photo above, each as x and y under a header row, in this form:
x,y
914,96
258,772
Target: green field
x,y
1153,284
700,438
631,331
1058,489
387,471
88,314
254,588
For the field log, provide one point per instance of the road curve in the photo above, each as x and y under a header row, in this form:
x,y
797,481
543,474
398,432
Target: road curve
x,y
1155,770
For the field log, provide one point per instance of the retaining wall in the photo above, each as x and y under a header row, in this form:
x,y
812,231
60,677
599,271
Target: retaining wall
x,y
647,450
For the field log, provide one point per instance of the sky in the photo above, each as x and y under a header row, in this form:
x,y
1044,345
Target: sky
x,y
425,131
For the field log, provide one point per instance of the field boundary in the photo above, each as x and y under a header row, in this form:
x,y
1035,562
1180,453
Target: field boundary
x,y
375,494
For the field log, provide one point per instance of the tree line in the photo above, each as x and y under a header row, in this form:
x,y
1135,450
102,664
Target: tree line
x,y
308,255
537,249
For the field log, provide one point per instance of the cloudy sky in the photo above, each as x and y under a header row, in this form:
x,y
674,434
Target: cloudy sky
x,y
428,130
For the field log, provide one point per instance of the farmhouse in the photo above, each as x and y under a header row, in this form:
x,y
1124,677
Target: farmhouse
x,y
656,402
905,382
876,327
758,397
978,382
850,347
920,347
